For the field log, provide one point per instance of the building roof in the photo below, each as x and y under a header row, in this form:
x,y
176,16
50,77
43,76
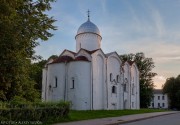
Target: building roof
x,y
130,62
81,58
108,54
67,59
157,91
90,52
63,59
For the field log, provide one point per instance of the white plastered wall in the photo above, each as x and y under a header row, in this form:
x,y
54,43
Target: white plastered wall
x,y
113,66
128,89
88,41
134,87
80,95
98,84
54,93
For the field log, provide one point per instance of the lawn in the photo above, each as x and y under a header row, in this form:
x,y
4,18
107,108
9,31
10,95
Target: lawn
x,y
84,115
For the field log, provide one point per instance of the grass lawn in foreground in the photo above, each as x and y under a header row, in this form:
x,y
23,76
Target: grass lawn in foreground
x,y
84,115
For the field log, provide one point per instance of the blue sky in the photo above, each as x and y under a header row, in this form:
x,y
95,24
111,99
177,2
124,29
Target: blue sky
x,y
126,26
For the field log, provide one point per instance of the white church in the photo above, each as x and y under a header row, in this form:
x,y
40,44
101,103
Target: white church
x,y
89,78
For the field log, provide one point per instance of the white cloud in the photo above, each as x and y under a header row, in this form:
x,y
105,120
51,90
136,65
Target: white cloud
x,y
159,81
158,23
104,6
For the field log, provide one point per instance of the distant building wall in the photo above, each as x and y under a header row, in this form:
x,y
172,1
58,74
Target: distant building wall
x,y
159,100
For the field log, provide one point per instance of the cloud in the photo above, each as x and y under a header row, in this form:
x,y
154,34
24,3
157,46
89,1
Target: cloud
x,y
159,81
158,22
104,6
129,27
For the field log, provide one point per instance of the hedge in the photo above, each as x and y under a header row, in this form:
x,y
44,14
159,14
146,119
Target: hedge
x,y
34,112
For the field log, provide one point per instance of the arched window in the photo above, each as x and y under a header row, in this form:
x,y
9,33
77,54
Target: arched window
x,y
111,79
113,89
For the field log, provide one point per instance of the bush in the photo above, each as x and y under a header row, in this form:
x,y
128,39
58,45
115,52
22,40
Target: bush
x,y
34,111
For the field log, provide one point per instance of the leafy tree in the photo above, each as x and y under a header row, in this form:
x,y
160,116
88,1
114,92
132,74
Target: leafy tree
x,y
53,57
36,73
172,88
22,24
145,66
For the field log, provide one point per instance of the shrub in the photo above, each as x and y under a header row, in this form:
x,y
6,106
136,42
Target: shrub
x,y
34,111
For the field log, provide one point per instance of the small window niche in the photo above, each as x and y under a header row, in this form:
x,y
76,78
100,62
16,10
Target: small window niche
x,y
125,84
55,82
133,89
111,79
125,88
72,83
118,78
114,89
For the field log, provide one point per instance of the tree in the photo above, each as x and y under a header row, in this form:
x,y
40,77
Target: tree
x,y
145,66
22,24
172,88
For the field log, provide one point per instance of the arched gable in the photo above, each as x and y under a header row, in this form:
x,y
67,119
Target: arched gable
x,y
99,52
126,67
134,70
127,70
84,53
68,53
115,56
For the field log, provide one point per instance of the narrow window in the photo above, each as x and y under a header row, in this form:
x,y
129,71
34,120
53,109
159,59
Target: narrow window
x,y
158,97
153,105
117,78
163,97
72,84
163,105
113,89
132,89
111,77
125,84
55,84
159,105
125,88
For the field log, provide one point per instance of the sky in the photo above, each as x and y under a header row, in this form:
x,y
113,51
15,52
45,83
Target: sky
x,y
126,26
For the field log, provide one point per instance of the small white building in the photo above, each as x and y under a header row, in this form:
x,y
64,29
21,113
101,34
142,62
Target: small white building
x,y
159,100
89,78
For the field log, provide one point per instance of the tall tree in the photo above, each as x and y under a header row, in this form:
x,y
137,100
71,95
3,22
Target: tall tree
x,y
172,88
22,24
145,66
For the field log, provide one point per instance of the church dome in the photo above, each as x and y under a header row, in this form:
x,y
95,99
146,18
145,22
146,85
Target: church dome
x,y
88,27
88,36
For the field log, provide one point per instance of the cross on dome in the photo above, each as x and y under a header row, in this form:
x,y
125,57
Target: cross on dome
x,y
88,13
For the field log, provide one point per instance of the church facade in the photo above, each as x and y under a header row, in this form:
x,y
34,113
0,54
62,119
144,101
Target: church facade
x,y
89,78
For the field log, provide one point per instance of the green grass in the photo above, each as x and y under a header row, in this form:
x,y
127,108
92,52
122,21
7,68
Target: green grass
x,y
84,115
